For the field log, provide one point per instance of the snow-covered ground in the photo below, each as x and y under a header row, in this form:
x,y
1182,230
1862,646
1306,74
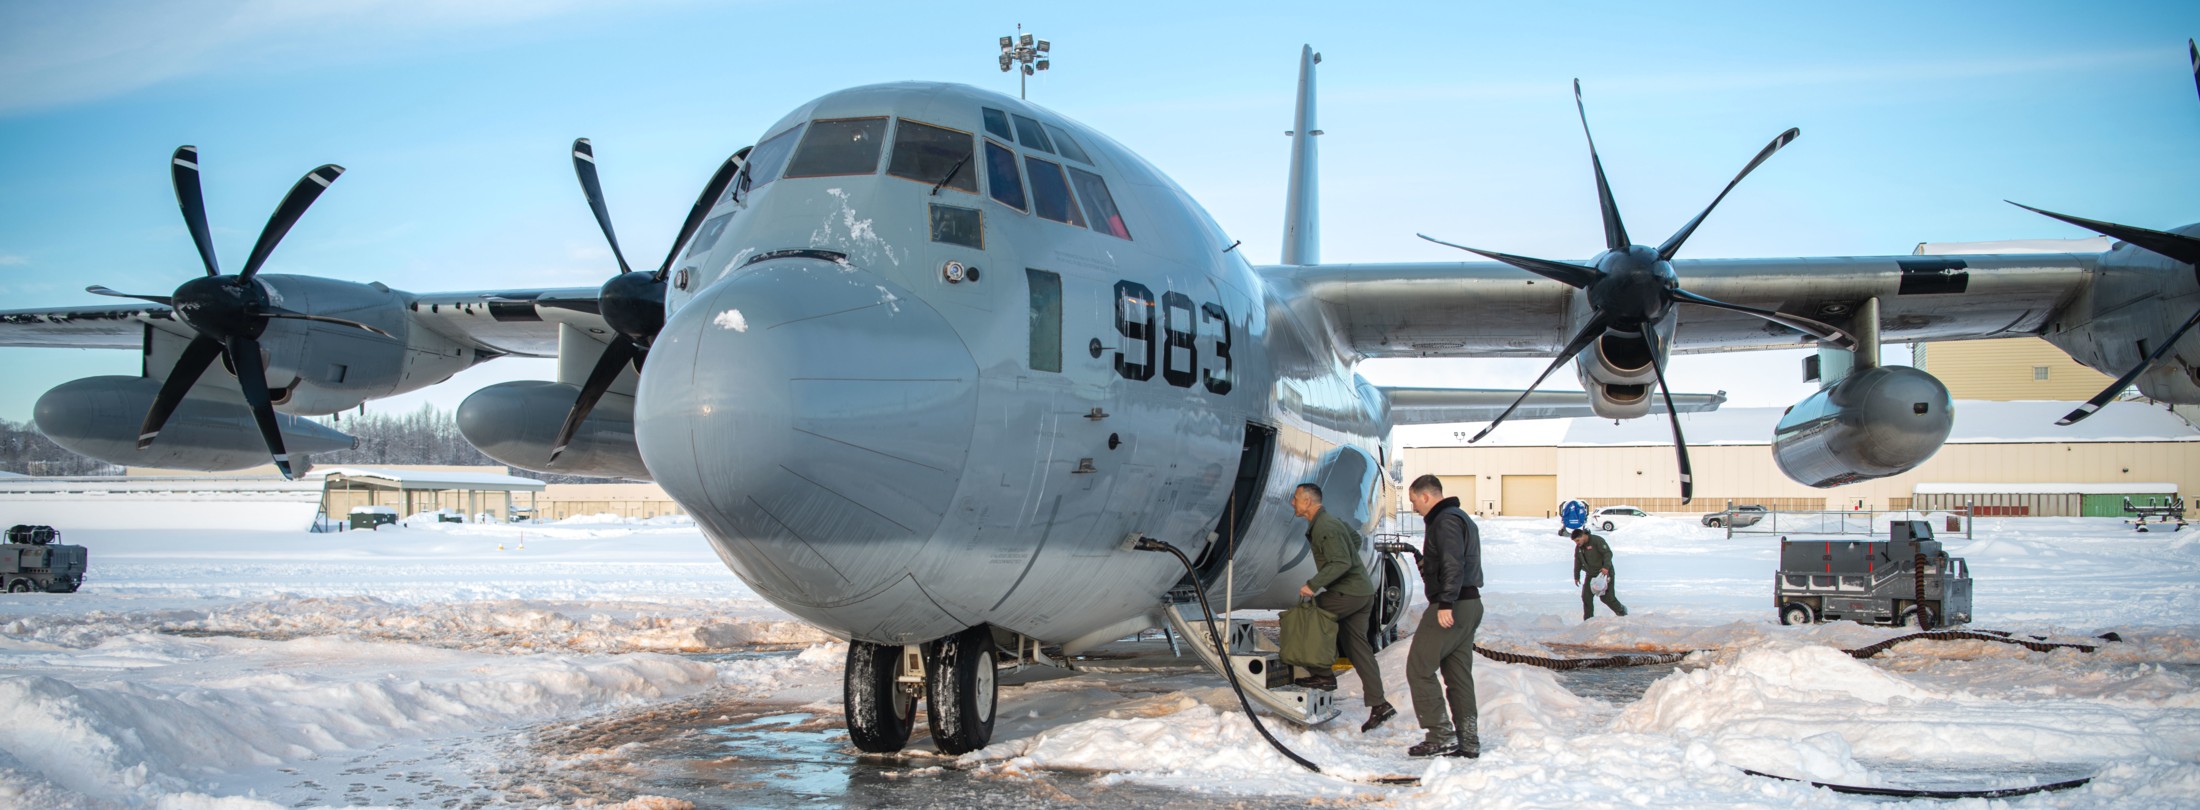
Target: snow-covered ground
x,y
448,665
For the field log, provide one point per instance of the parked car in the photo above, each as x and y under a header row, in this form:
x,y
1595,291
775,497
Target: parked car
x,y
1613,517
1737,517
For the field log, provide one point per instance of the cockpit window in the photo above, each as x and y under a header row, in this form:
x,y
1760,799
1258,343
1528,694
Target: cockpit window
x,y
1099,205
839,147
1031,135
996,123
1066,146
707,238
1050,196
1001,178
933,155
764,164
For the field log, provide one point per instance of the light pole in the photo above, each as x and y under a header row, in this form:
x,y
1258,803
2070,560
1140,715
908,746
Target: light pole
x,y
1022,50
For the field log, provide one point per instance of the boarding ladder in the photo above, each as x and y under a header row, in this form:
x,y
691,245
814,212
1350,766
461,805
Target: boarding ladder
x,y
1261,671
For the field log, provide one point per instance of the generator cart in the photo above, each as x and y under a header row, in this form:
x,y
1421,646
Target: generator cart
x,y
32,559
1906,580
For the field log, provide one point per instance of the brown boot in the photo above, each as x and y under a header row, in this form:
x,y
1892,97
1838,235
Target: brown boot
x,y
1376,716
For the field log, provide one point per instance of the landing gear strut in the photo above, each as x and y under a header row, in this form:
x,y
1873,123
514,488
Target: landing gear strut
x,y
960,690
880,713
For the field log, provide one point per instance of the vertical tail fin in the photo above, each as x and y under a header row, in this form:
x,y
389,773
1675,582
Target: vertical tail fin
x,y
1302,207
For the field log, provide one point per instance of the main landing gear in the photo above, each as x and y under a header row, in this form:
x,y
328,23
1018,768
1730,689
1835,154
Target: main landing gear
x,y
956,675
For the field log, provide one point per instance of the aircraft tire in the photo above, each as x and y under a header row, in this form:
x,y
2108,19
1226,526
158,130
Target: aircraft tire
x,y
962,691
880,715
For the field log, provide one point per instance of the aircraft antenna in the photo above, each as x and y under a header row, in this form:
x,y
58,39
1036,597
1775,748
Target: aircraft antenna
x,y
1026,55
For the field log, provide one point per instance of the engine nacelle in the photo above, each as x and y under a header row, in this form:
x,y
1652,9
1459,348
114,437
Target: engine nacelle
x,y
1616,372
516,422
100,416
1872,424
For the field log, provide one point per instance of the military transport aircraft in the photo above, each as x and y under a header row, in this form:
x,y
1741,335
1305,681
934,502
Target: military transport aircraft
x,y
930,364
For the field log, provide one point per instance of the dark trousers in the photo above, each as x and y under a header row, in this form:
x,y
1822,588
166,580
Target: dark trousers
x,y
1610,597
1449,651
1353,613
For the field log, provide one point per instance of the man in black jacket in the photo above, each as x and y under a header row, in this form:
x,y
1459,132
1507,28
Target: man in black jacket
x,y
1451,573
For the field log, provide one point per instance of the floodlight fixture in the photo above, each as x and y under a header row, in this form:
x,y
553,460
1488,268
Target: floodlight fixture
x,y
1027,50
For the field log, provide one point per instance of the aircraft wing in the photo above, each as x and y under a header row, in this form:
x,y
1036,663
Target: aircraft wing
x,y
1435,406
1487,309
515,322
105,326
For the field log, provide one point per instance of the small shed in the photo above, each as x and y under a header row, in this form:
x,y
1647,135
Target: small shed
x,y
414,491
2039,500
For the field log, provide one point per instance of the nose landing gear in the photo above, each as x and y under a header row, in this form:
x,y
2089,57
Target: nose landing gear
x,y
956,675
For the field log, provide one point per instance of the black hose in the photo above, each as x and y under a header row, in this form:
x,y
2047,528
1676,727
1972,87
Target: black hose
x,y
1912,793
1222,652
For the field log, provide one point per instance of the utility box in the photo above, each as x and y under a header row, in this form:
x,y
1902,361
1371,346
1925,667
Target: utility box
x,y
1906,580
34,559
370,517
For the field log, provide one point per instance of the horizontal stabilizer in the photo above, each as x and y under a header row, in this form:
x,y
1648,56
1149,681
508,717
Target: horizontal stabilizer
x,y
1434,406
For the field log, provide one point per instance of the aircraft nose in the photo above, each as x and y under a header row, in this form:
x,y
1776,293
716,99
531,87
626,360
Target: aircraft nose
x,y
815,419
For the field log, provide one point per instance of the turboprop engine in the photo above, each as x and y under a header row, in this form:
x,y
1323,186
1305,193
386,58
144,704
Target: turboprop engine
x,y
1618,374
99,417
1872,424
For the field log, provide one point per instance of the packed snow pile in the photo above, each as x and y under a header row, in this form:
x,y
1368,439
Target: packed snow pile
x,y
248,671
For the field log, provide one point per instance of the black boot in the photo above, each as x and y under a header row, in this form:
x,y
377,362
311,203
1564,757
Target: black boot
x,y
1376,716
1470,740
1432,748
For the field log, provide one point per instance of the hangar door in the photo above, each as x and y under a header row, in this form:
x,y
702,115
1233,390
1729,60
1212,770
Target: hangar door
x,y
1461,487
1530,496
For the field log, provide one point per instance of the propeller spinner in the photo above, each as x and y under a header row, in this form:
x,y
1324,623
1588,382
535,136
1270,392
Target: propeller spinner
x,y
632,303
1632,288
229,313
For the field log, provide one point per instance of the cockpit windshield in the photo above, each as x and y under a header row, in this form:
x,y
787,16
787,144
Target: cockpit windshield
x,y
842,146
934,156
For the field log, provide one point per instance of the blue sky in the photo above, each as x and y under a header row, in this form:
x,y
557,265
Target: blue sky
x,y
1450,118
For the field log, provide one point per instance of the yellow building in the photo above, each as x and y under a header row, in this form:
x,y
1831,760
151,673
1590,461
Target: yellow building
x,y
1528,468
2009,369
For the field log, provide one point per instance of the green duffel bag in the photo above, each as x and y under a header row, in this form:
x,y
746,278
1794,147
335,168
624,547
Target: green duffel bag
x,y
1309,637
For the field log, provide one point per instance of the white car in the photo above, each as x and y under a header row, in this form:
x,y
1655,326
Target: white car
x,y
1613,517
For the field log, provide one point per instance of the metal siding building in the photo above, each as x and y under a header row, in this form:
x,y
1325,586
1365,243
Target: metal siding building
x,y
2016,443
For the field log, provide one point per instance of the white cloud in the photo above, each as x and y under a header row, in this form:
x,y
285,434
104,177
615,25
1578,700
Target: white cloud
x,y
11,260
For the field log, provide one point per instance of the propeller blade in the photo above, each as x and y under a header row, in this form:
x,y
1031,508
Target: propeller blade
x,y
301,316
584,167
244,356
2176,246
1817,329
703,203
97,289
1680,443
1673,245
183,170
1615,233
1588,333
608,365
2118,386
294,205
1572,275
197,355
2195,63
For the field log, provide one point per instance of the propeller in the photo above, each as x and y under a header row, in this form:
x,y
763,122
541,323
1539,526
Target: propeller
x,y
1632,288
632,303
2177,247
229,313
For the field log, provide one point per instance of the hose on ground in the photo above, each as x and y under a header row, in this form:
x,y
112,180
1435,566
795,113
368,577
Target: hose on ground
x,y
1914,793
1222,654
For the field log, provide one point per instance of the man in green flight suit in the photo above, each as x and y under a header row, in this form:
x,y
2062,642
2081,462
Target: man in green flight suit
x,y
1593,556
1349,594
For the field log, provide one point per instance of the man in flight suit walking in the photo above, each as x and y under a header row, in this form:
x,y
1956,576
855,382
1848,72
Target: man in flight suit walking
x,y
1451,573
1593,556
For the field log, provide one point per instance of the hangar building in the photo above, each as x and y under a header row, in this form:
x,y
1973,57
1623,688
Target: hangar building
x,y
1528,468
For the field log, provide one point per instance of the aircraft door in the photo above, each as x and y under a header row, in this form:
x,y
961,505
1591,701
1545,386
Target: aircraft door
x,y
1244,501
